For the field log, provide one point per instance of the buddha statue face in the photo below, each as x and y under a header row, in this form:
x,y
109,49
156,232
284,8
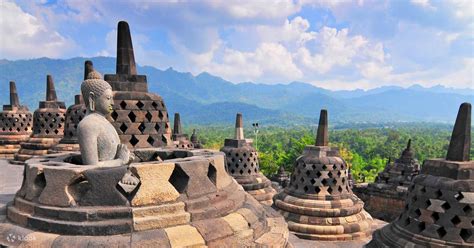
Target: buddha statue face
x,y
97,93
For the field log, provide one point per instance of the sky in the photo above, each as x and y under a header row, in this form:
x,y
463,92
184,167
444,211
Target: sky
x,y
335,44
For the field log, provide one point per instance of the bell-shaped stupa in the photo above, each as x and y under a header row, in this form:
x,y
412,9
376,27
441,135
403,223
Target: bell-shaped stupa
x,y
438,211
48,126
140,117
180,140
15,125
242,163
319,203
74,115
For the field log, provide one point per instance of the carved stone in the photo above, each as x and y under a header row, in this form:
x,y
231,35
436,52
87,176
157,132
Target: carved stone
x,y
180,140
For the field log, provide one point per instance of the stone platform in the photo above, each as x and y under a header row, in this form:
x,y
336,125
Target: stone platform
x,y
187,199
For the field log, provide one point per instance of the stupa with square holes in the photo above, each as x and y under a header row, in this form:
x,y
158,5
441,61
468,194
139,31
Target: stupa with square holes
x,y
390,187
48,126
140,117
15,125
242,163
438,210
319,204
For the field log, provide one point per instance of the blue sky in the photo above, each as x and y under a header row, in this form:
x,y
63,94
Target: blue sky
x,y
332,44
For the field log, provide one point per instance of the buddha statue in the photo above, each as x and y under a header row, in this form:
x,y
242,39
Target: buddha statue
x,y
98,140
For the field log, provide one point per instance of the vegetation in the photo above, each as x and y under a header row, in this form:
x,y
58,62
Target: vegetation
x,y
365,150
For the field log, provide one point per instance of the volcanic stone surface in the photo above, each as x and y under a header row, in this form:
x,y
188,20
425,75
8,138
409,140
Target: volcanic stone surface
x,y
140,117
48,126
15,125
185,198
319,204
438,211
390,187
242,163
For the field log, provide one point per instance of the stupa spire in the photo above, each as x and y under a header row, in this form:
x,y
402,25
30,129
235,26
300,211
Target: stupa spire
x,y
239,127
460,144
14,100
177,124
50,90
322,137
125,56
88,68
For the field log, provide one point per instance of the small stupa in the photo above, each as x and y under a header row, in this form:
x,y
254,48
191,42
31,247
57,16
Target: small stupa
x,y
180,140
48,126
15,125
319,204
438,210
242,163
74,115
390,187
281,178
140,117
194,139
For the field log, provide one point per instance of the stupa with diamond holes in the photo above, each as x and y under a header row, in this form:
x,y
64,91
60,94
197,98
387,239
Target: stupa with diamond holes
x,y
439,206
140,117
15,125
319,204
390,187
180,140
74,115
242,163
48,126
281,178
194,139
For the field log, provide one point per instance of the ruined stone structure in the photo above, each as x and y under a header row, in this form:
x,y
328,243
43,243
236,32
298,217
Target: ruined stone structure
x,y
438,211
281,178
15,125
242,163
390,187
48,126
74,115
190,201
140,117
319,204
194,139
180,140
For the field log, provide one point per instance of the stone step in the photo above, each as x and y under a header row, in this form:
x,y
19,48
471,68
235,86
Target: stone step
x,y
158,210
160,221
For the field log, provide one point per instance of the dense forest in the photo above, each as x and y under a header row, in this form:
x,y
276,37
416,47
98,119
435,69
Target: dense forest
x,y
366,149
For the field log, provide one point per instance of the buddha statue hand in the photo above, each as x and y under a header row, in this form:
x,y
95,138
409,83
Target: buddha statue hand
x,y
124,154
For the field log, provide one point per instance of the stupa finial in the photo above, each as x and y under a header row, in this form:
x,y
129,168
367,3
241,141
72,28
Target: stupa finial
x,y
322,137
50,90
460,144
14,100
239,127
125,56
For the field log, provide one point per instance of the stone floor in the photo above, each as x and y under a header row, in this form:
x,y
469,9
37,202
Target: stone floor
x,y
11,178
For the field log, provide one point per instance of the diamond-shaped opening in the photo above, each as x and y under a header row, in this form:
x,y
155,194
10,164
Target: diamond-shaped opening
x,y
330,174
324,167
317,190
466,234
308,173
164,139
455,220
114,115
305,188
318,174
133,140
142,127
160,115
148,116
435,216
232,171
302,180
212,174
438,193
334,167
312,181
324,182
245,165
51,125
140,104
441,232
157,127
446,206
132,116
428,203
459,196
467,209
179,179
339,189
150,140
343,180
339,173
241,172
56,131
423,189
313,166
123,104
330,190
123,127
414,198
421,227
154,104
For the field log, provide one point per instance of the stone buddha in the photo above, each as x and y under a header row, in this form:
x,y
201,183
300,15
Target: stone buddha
x,y
98,140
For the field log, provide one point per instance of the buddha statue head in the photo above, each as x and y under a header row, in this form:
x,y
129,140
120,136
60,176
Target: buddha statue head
x,y
97,94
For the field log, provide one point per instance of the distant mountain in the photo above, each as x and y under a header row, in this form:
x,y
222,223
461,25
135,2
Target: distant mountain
x,y
205,98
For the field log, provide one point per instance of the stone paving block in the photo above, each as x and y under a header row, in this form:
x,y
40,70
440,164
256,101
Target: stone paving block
x,y
186,235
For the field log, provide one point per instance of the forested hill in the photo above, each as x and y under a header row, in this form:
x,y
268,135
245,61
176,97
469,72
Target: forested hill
x,y
206,99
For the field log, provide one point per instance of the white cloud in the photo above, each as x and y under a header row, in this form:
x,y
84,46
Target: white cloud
x,y
374,70
25,36
423,3
256,9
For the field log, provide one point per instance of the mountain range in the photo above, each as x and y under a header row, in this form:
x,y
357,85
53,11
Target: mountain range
x,y
208,99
